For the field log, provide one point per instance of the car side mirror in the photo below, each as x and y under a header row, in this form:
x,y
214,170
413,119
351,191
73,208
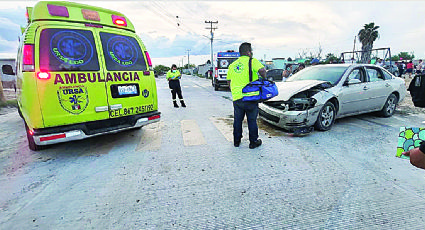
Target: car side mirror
x,y
351,81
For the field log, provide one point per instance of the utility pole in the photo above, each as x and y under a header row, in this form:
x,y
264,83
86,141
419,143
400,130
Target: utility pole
x,y
188,53
354,47
211,28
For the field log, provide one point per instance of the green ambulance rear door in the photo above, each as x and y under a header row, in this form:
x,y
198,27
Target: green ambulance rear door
x,y
70,78
130,85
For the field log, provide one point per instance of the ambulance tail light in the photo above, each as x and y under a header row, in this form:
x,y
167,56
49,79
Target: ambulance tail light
x,y
43,75
154,117
119,21
28,58
216,74
148,58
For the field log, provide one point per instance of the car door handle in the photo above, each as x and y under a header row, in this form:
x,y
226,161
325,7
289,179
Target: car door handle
x,y
387,85
101,109
365,88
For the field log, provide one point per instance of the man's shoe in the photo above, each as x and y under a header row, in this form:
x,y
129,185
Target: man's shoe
x,y
175,104
255,144
236,143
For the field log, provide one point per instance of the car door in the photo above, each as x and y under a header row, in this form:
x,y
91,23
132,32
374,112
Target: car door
x,y
70,83
353,95
378,88
130,85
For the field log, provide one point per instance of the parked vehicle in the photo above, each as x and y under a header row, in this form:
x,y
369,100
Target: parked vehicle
x,y
393,68
274,74
317,95
224,59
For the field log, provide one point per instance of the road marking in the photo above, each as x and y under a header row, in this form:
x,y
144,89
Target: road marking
x,y
191,133
224,125
151,137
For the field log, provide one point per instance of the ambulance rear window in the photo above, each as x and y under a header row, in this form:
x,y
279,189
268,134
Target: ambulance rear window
x,y
122,53
68,50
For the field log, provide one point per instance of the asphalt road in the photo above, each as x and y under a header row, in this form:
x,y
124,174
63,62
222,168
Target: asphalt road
x,y
184,173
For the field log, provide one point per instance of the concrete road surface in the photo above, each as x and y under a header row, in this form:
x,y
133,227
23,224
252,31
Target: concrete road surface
x,y
184,173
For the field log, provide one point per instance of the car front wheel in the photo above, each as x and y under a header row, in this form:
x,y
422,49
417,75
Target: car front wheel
x,y
389,107
326,117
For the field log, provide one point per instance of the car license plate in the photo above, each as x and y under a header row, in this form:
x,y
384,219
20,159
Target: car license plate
x,y
124,90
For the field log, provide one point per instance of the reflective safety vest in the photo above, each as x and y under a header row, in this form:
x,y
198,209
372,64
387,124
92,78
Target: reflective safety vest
x,y
238,74
173,75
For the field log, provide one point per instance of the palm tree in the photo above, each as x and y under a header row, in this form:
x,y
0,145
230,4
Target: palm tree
x,y
367,36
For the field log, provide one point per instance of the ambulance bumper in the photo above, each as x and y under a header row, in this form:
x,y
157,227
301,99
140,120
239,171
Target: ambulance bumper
x,y
67,133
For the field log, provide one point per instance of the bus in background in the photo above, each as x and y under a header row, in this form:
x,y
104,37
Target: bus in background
x,y
224,59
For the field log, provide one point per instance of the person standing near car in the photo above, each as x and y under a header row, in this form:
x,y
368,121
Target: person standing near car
x,y
409,68
419,67
173,77
238,74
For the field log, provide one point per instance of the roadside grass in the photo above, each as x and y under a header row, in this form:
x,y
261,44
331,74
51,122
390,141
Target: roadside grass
x,y
9,103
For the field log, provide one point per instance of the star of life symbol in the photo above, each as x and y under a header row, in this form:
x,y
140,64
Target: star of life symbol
x,y
123,51
238,67
70,47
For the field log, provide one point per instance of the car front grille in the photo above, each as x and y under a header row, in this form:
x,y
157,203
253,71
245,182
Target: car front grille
x,y
276,104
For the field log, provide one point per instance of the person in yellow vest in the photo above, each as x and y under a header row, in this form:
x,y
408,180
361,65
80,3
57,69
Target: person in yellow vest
x,y
238,74
173,77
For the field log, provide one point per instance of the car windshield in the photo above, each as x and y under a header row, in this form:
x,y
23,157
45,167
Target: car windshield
x,y
331,74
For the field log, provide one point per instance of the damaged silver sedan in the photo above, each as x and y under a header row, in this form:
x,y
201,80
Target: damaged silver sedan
x,y
318,95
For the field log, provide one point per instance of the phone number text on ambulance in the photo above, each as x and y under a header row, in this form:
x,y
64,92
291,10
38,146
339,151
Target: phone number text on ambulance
x,y
130,111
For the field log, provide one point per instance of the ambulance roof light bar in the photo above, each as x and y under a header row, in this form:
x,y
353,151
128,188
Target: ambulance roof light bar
x,y
119,21
61,11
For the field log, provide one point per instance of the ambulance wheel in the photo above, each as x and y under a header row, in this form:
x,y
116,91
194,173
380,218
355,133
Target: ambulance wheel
x,y
216,86
20,113
31,143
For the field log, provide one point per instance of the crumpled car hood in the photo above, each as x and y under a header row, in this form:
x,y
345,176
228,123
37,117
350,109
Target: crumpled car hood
x,y
288,89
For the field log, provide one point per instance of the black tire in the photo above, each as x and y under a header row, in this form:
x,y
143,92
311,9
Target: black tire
x,y
31,143
389,106
20,113
216,86
326,117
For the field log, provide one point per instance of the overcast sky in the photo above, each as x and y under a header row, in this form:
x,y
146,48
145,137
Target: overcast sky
x,y
275,28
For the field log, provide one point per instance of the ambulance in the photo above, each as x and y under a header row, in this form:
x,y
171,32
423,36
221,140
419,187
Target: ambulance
x,y
224,59
81,72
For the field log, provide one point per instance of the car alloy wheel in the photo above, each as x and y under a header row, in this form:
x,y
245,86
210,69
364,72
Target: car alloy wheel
x,y
389,106
326,117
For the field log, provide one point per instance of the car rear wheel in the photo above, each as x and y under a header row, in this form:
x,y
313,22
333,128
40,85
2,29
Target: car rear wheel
x,y
389,107
31,143
326,117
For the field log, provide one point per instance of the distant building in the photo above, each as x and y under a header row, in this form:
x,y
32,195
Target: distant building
x,y
204,68
8,66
